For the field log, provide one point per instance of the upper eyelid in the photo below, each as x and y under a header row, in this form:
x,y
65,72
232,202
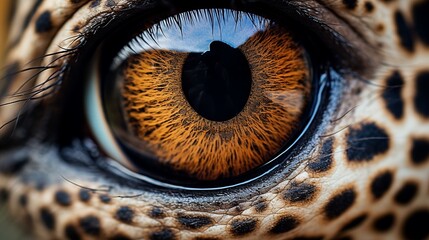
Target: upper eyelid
x,y
334,32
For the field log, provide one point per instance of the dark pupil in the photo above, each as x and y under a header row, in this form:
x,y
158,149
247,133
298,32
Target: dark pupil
x,y
217,83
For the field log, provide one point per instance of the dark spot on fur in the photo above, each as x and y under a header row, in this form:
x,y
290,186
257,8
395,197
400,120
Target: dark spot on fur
x,y
299,192
156,212
404,32
260,206
325,159
421,20
164,234
421,98
284,224
71,233
95,3
194,222
350,4
339,204
392,95
84,195
47,218
240,227
369,7
416,225
124,214
380,28
354,223
43,22
105,198
62,198
384,223
110,3
406,194
23,200
90,225
381,184
365,142
420,151
76,29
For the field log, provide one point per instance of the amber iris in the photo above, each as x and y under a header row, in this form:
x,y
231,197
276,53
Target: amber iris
x,y
221,112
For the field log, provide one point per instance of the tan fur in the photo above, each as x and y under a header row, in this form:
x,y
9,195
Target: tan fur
x,y
293,202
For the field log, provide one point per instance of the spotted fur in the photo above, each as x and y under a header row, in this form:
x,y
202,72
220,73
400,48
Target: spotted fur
x,y
363,175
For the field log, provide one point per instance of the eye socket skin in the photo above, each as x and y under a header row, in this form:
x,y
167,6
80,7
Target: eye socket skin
x,y
178,105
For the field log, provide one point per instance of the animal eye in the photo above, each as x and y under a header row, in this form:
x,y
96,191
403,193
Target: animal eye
x,y
202,95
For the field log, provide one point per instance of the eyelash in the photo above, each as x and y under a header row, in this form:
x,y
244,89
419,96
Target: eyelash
x,y
77,56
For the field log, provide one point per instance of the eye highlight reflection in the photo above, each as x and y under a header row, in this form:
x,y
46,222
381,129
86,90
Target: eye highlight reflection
x,y
210,94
